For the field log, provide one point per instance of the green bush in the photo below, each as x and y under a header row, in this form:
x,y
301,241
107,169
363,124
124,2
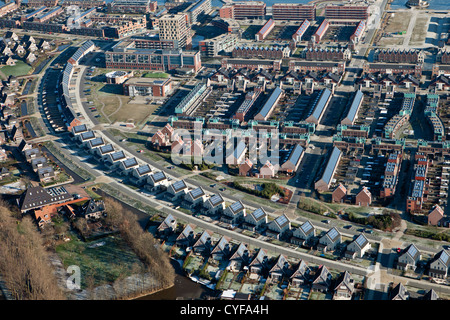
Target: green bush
x,y
268,190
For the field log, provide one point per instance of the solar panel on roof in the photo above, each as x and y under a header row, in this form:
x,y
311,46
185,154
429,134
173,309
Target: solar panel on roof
x,y
236,206
197,192
412,251
144,169
333,233
179,185
258,213
158,176
130,162
281,220
217,198
187,230
118,155
361,240
306,226
444,256
107,148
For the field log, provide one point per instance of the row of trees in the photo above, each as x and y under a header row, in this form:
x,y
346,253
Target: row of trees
x,y
385,221
141,242
24,261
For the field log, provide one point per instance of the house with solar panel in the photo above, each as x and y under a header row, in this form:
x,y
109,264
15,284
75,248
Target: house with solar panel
x,y
322,280
77,130
293,160
203,245
439,265
94,144
277,227
114,159
195,197
168,226
255,220
177,190
301,275
222,249
259,263
157,181
85,137
187,237
103,152
215,204
303,234
140,174
127,166
358,247
239,259
409,258
344,287
323,184
233,213
281,269
330,240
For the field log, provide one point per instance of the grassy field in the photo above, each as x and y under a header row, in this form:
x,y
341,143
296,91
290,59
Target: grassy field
x,y
155,75
113,106
20,69
104,263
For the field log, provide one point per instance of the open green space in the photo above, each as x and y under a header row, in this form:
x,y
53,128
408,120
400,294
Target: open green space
x,y
104,263
19,69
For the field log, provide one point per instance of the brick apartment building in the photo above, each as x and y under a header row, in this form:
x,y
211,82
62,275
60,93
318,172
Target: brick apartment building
x,y
252,64
293,11
398,55
326,54
132,6
272,52
346,12
243,10
147,59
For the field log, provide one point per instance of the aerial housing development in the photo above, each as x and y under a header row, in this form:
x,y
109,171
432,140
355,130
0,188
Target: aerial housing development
x,y
258,150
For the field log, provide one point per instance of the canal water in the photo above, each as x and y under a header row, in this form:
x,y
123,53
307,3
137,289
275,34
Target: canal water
x,y
184,288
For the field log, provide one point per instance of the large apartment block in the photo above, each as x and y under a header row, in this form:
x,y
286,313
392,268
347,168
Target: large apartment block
x,y
346,12
175,27
197,10
398,55
244,10
125,56
293,11
132,6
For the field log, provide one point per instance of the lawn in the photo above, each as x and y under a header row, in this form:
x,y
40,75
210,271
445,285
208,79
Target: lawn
x,y
101,264
20,69
155,75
